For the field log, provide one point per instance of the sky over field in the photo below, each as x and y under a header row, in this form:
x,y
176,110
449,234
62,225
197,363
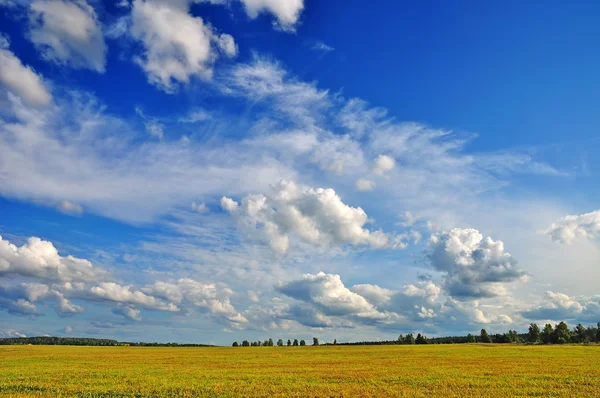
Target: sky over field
x,y
218,170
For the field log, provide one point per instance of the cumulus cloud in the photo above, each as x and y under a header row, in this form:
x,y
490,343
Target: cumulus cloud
x,y
287,12
40,259
20,299
20,79
383,164
10,333
556,306
130,313
474,267
177,46
316,216
329,296
68,32
574,227
205,296
111,291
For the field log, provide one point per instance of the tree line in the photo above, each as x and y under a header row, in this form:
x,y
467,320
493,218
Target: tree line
x,y
84,341
558,334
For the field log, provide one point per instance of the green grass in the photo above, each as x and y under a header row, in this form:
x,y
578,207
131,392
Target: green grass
x,y
357,371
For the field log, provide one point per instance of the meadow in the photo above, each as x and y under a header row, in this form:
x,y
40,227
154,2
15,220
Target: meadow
x,y
466,370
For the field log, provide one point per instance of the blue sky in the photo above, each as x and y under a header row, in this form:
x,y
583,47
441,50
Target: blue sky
x,y
211,171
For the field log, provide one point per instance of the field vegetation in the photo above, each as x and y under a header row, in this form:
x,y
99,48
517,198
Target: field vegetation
x,y
432,370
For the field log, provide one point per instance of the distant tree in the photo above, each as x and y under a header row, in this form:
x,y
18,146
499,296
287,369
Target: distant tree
x,y
295,343
279,343
420,339
235,344
334,341
400,339
270,342
562,334
409,339
289,342
598,333
302,342
547,333
315,341
245,343
581,334
484,337
533,336
513,336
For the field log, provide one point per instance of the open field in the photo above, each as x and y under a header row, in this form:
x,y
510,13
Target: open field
x,y
411,371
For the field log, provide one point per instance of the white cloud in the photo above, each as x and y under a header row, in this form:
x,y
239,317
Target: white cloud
x,y
68,33
177,46
155,130
287,12
329,295
561,307
316,216
68,207
383,164
10,333
130,313
474,267
363,185
206,296
115,292
573,227
320,46
200,208
40,259
20,79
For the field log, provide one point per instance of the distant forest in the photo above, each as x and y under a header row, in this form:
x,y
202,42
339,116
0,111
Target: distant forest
x,y
558,334
82,341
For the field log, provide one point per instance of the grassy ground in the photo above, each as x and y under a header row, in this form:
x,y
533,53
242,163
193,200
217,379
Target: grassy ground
x,y
359,371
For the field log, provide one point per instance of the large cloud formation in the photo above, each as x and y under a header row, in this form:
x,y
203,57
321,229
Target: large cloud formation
x,y
556,306
20,79
474,267
35,272
68,32
325,302
573,227
317,216
176,44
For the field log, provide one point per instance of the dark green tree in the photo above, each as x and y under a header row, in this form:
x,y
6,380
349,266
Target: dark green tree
x,y
334,341
547,333
581,334
400,339
598,333
484,337
513,336
315,341
302,343
420,339
562,334
533,336
279,343
471,338
245,343
235,344
295,343
289,342
409,339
